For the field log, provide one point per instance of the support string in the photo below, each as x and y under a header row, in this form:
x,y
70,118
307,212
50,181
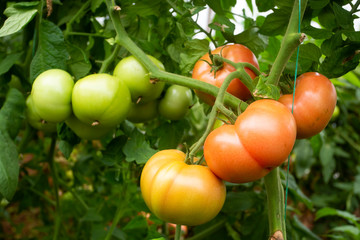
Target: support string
x,y
292,111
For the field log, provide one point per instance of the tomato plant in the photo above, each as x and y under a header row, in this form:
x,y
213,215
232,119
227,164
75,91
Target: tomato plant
x,y
180,193
137,79
261,139
176,102
234,52
51,95
101,99
314,103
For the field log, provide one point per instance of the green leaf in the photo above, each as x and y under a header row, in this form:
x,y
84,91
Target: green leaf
x,y
327,161
251,38
264,6
51,52
304,229
170,134
18,18
113,152
95,4
66,148
192,51
222,24
318,4
240,201
12,112
266,90
303,157
327,211
348,229
343,17
275,23
215,5
9,166
92,215
317,33
78,63
8,62
137,148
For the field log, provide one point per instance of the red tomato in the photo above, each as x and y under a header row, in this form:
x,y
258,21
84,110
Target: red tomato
x,y
261,139
314,103
179,193
235,53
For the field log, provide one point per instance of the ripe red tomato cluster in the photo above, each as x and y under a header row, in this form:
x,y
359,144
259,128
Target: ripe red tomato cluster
x,y
97,103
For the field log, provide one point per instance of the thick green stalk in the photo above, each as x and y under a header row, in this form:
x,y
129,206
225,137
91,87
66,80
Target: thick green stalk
x,y
177,232
292,39
54,175
274,189
123,39
275,202
109,60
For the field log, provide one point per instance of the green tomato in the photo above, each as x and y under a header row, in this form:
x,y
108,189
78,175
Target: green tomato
x,y
101,99
34,118
86,131
176,102
137,78
143,112
51,93
336,113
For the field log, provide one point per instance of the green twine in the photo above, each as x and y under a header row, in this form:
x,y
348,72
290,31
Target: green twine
x,y
292,111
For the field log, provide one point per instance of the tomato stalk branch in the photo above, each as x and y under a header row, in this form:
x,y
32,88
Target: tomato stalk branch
x,y
54,175
110,59
214,111
177,232
123,39
292,39
275,202
72,20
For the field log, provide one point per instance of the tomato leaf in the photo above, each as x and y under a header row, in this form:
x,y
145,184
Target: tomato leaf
x,y
18,17
328,211
12,112
8,62
51,52
266,90
137,148
327,161
275,23
113,152
78,63
170,134
251,38
193,50
9,166
343,17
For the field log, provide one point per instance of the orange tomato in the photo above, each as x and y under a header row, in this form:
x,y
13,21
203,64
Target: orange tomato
x,y
179,193
314,103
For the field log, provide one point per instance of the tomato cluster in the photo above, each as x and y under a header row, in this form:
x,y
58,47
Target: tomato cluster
x,y
97,103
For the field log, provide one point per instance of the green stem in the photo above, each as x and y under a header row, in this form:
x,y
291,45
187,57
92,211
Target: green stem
x,y
123,39
275,202
292,39
212,116
177,232
72,20
28,134
354,7
119,214
87,34
50,160
106,63
210,230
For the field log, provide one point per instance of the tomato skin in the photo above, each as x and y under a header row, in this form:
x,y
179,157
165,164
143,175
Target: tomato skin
x,y
261,139
51,94
314,103
228,159
176,102
235,53
137,79
179,193
86,131
143,112
34,118
102,99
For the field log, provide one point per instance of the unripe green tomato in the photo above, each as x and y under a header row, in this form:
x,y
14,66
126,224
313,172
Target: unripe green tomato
x,y
86,131
51,93
336,113
176,102
143,112
137,79
101,99
34,118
